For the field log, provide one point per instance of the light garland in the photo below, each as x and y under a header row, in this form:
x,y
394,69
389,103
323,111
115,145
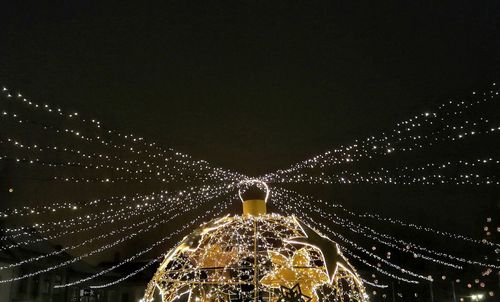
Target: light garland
x,y
228,253
305,202
166,209
373,145
98,250
400,175
104,217
118,157
152,150
347,241
221,208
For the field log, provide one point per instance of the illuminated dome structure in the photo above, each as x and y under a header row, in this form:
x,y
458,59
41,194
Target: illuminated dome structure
x,y
256,257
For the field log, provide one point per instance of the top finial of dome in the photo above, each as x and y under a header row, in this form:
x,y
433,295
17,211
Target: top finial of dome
x,y
249,189
254,194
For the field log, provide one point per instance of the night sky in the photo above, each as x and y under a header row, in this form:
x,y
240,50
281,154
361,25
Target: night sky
x,y
257,86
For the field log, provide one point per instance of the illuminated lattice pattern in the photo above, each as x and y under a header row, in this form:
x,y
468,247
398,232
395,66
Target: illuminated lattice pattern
x,y
244,258
240,258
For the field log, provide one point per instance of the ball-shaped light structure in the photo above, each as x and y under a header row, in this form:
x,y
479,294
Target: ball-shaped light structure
x,y
256,257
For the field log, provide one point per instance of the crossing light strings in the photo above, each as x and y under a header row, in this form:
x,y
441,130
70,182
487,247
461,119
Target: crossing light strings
x,y
114,243
427,129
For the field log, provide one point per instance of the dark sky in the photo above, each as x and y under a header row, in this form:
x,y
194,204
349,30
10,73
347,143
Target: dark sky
x,y
256,86
249,85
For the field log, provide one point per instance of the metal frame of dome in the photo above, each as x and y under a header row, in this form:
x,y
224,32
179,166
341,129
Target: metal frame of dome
x,y
266,257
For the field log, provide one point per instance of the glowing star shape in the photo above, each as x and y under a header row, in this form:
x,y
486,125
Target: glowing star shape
x,y
294,271
329,249
293,294
216,256
193,240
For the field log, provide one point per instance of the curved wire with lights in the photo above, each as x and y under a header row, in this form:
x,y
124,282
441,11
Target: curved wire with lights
x,y
108,156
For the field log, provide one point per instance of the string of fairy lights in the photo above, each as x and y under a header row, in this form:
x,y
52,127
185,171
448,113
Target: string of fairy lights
x,y
305,202
378,266
149,206
216,210
83,151
36,209
179,161
298,211
83,219
397,139
90,240
189,205
406,175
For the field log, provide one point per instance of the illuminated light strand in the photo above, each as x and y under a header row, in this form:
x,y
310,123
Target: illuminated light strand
x,y
42,227
283,203
102,248
411,225
348,158
155,169
391,176
357,257
415,246
131,138
130,274
352,177
164,176
108,179
34,147
367,252
186,166
88,254
88,218
365,215
356,246
221,206
83,243
120,215
429,278
73,206
360,229
374,284
77,164
168,209
420,228
410,119
428,179
410,124
408,246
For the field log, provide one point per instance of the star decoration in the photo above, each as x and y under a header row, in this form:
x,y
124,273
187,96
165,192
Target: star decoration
x,y
294,271
216,256
193,240
293,294
217,263
330,250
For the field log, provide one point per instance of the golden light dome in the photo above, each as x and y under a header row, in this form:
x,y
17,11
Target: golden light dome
x,y
256,257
